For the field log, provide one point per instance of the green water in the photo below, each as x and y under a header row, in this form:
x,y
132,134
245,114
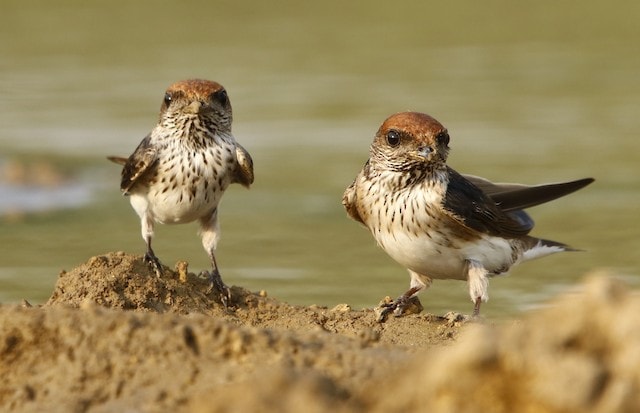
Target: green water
x,y
529,92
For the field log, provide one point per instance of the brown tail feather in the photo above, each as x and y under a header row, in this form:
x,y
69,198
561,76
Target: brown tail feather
x,y
117,159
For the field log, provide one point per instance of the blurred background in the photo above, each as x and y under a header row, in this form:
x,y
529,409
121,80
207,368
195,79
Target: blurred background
x,y
530,92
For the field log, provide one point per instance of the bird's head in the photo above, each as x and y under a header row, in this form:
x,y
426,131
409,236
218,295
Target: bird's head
x,y
410,140
195,98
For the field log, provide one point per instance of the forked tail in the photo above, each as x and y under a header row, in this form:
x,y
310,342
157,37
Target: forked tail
x,y
543,247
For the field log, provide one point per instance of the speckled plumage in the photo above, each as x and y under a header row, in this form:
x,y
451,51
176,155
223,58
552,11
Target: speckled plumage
x,y
179,172
437,223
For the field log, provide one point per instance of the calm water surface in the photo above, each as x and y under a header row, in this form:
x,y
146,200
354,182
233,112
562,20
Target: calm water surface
x,y
529,92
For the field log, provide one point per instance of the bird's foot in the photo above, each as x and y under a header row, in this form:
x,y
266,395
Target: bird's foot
x,y
405,304
154,263
216,284
476,310
454,318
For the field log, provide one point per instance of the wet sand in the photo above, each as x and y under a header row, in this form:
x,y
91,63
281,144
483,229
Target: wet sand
x,y
113,337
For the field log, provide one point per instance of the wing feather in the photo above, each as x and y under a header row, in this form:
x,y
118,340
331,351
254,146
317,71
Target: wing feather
x,y
467,204
140,163
511,197
349,201
244,171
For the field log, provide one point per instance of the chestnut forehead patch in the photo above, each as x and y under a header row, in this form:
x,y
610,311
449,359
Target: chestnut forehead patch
x,y
195,88
414,123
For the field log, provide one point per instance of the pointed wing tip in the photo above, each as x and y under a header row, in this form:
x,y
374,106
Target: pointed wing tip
x,y
586,181
578,184
117,159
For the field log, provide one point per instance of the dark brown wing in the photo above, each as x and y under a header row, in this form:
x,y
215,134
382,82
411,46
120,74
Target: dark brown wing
x,y
139,164
511,197
244,172
470,206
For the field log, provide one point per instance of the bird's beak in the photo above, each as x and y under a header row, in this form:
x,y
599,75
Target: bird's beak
x,y
422,154
194,107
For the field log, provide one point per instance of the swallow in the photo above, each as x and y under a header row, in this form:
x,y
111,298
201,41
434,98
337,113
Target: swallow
x,y
438,223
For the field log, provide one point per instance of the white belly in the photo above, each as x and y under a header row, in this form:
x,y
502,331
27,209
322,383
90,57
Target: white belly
x,y
431,256
180,206
421,255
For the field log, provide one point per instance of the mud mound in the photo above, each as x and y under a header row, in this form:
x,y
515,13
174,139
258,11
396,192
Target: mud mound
x,y
118,280
114,337
122,281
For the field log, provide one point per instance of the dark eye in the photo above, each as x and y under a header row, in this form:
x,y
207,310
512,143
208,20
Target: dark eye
x,y
393,138
221,97
167,99
442,138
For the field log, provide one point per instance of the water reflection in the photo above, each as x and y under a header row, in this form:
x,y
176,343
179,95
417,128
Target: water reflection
x,y
21,200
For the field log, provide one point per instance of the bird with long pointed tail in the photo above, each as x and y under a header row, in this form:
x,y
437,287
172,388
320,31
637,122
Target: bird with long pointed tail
x,y
438,223
179,172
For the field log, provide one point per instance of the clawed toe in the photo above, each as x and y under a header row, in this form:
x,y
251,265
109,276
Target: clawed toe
x,y
383,311
154,263
216,284
402,305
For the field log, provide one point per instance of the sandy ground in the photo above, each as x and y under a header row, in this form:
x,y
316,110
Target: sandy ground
x,y
113,337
